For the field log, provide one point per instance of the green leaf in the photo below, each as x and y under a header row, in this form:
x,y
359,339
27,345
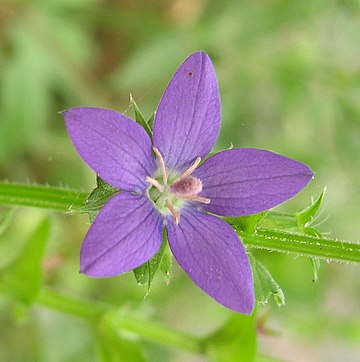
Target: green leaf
x,y
307,215
235,341
315,262
151,121
23,278
115,346
265,285
98,197
247,223
166,264
139,118
145,273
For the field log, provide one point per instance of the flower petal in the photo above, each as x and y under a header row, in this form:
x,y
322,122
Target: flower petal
x,y
114,146
187,121
210,251
126,233
247,181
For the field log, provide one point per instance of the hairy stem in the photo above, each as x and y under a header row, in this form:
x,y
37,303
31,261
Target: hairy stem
x,y
53,198
304,245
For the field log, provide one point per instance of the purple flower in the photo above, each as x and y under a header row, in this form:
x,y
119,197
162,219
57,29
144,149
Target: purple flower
x,y
164,185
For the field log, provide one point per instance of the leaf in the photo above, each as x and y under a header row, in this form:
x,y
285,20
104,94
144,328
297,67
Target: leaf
x,y
139,118
151,120
315,262
235,341
98,197
247,223
307,215
145,273
265,285
166,264
23,278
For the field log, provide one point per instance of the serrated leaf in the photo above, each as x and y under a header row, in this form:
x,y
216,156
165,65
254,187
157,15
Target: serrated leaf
x,y
308,214
139,118
98,197
23,278
235,341
247,223
265,284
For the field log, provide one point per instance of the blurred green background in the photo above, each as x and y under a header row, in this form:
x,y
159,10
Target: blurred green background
x,y
289,73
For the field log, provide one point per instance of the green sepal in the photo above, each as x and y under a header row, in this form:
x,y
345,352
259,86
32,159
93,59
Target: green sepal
x,y
247,223
307,215
22,279
139,118
234,341
265,284
98,198
151,121
145,274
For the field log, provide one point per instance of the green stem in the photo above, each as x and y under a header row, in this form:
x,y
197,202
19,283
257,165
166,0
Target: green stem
x,y
157,333
85,309
304,245
95,311
41,196
282,241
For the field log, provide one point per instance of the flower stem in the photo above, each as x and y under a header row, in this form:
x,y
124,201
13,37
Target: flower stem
x,y
304,245
93,312
282,241
41,196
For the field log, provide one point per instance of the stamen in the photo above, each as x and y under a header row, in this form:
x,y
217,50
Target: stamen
x,y
190,170
162,164
201,199
174,212
155,183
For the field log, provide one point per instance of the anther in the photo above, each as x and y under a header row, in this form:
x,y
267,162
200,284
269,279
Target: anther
x,y
190,170
174,212
155,183
162,164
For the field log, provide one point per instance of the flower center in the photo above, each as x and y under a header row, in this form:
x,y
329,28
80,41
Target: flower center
x,y
169,195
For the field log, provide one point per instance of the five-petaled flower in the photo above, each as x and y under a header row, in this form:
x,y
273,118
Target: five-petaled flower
x,y
164,184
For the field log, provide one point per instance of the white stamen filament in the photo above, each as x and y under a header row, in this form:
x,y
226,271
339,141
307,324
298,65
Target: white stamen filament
x,y
201,199
190,170
155,183
174,212
162,164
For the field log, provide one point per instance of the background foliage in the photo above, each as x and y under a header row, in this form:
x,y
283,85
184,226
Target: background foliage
x,y
289,73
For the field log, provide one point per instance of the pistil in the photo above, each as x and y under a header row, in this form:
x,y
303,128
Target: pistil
x,y
185,187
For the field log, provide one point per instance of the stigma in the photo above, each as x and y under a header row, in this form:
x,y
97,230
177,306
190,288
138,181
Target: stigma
x,y
172,193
